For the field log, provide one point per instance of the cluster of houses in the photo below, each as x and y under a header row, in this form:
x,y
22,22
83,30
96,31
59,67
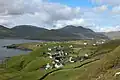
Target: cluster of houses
x,y
102,41
98,42
59,57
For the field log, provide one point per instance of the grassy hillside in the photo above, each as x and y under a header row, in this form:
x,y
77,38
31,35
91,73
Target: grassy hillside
x,y
103,69
5,32
102,64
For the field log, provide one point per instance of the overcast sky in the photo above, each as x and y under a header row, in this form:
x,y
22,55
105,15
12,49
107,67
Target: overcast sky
x,y
99,15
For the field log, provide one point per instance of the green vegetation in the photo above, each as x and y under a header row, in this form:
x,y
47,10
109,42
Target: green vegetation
x,y
5,32
102,64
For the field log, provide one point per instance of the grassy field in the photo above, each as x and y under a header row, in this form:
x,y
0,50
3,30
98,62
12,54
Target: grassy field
x,y
102,64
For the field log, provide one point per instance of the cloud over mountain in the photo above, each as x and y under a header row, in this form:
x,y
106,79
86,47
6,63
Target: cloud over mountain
x,y
49,15
36,12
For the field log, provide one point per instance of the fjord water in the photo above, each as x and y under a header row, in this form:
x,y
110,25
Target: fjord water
x,y
12,52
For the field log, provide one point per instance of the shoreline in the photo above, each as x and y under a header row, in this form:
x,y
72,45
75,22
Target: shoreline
x,y
14,46
60,40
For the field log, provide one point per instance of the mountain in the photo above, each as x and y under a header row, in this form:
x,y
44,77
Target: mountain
x,y
27,31
58,35
5,32
113,35
82,32
67,33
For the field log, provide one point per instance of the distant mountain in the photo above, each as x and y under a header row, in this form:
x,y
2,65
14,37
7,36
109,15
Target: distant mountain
x,y
58,35
5,32
82,32
27,31
67,33
113,35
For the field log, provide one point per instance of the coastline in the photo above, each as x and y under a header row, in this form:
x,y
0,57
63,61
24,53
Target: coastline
x,y
14,46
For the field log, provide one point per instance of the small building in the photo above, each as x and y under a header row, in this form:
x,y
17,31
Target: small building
x,y
37,45
70,60
58,65
94,44
49,53
50,57
85,43
49,49
86,55
71,46
47,66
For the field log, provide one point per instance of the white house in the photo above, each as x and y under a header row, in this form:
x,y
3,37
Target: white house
x,y
118,73
37,45
50,57
47,66
55,47
102,42
86,55
59,46
53,62
70,60
71,46
85,43
58,66
66,54
49,53
94,44
57,60
49,49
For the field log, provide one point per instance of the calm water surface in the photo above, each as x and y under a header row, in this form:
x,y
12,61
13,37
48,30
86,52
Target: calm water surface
x,y
12,52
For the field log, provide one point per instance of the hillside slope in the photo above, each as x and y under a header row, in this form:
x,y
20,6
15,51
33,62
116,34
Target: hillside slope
x,y
67,33
103,64
27,31
113,35
84,33
5,32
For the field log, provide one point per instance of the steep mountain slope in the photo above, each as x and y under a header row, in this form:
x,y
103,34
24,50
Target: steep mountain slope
x,y
58,35
33,32
113,35
27,31
5,32
81,31
67,33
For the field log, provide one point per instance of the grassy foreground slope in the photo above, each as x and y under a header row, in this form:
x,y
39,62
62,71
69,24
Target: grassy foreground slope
x,y
103,63
103,69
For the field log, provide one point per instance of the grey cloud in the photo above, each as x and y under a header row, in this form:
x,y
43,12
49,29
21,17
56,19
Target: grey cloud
x,y
17,7
39,12
46,14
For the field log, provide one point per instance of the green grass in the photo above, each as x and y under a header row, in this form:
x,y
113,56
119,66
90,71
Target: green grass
x,y
28,67
38,62
91,71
